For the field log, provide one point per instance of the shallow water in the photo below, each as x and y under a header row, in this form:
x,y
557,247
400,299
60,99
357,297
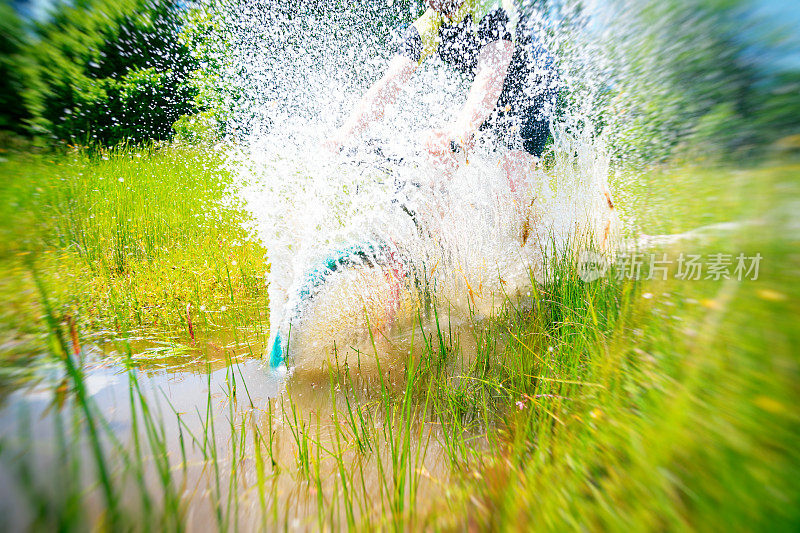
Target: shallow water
x,y
181,383
190,386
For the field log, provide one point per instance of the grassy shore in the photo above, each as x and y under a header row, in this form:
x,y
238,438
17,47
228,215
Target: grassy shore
x,y
616,404
124,241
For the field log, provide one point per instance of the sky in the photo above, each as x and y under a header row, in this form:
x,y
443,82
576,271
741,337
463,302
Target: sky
x,y
780,19
33,9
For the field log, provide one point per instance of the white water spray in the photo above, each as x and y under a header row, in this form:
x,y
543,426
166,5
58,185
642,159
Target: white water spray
x,y
460,242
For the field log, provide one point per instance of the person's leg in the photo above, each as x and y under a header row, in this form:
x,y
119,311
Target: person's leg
x,y
517,165
520,162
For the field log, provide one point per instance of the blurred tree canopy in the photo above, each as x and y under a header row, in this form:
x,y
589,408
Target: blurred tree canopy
x,y
687,80
108,71
13,38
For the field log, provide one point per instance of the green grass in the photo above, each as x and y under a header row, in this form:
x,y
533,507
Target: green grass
x,y
617,404
124,241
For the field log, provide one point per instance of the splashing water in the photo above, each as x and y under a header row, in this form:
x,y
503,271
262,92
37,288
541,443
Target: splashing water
x,y
366,240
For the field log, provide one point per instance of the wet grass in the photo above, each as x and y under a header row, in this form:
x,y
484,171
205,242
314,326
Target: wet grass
x,y
616,404
124,241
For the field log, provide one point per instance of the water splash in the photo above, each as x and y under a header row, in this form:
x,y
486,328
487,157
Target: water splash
x,y
369,239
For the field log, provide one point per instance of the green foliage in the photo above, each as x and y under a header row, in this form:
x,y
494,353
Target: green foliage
x,y
208,37
686,82
110,71
778,109
674,64
123,236
12,67
202,127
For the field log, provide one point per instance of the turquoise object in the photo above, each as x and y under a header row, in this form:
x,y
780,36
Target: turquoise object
x,y
363,253
276,355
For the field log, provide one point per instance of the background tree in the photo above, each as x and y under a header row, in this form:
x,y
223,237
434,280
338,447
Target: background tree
x,y
12,67
108,71
696,79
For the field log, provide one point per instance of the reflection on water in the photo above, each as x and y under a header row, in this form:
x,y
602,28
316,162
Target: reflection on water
x,y
183,386
205,405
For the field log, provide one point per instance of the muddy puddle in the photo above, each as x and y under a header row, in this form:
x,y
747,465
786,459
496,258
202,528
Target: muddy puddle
x,y
205,434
